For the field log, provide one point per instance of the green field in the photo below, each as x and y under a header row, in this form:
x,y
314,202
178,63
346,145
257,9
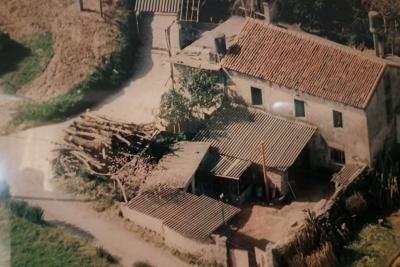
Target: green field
x,y
42,245
374,246
23,61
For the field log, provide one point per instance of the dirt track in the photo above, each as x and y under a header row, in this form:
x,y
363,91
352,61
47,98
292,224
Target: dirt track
x,y
81,39
25,161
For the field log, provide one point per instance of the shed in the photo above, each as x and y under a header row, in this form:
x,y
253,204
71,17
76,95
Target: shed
x,y
178,168
194,217
236,133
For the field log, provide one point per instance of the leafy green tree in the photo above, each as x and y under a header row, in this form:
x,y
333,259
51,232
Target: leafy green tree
x,y
202,87
175,109
390,12
344,21
197,90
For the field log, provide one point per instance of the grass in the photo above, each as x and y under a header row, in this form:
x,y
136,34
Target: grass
x,y
22,62
42,245
374,246
100,83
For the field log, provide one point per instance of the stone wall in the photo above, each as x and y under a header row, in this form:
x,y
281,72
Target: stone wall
x,y
352,138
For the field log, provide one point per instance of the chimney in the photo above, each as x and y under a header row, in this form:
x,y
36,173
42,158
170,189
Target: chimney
x,y
374,26
267,15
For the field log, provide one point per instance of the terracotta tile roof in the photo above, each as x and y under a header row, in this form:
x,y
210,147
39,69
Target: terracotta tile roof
x,y
192,216
305,63
238,132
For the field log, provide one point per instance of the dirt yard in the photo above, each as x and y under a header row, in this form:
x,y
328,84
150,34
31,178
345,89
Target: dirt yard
x,y
258,224
81,39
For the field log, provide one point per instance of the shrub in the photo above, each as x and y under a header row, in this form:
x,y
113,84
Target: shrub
x,y
4,40
141,264
34,214
356,204
18,208
4,191
23,210
104,254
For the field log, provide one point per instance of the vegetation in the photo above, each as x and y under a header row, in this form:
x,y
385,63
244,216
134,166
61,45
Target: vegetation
x,y
104,254
42,245
197,91
373,246
141,264
344,21
23,210
104,79
22,62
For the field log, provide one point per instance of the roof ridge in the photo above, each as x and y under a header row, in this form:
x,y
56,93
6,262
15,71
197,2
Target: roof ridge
x,y
319,39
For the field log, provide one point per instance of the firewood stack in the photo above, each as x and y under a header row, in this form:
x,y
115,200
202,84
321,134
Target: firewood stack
x,y
101,146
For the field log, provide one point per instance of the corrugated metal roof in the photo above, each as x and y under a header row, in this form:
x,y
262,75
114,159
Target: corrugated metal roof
x,y
159,6
192,216
177,168
229,167
305,63
347,174
238,132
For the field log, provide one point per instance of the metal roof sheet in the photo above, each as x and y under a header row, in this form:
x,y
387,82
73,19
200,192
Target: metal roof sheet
x,y
159,6
347,174
229,167
177,168
238,132
192,216
306,63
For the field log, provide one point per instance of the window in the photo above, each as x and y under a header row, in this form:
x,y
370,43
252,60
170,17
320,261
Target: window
x,y
338,156
299,110
337,119
256,96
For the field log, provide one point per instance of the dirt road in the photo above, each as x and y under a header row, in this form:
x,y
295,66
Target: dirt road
x,y
25,156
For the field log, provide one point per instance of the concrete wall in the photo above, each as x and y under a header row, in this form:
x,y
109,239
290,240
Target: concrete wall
x,y
215,250
143,220
379,127
352,138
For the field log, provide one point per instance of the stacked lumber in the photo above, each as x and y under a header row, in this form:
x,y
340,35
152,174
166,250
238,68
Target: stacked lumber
x,y
101,146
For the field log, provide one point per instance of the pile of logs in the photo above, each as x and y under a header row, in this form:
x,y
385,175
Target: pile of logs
x,y
100,146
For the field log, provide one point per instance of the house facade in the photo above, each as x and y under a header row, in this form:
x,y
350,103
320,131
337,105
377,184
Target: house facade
x,y
351,97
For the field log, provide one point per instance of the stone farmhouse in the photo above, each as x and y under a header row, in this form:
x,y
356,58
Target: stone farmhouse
x,y
350,96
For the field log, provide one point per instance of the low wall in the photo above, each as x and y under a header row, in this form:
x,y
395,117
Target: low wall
x,y
143,220
214,250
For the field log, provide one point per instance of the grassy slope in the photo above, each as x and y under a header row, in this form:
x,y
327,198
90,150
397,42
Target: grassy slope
x,y
21,63
374,246
42,245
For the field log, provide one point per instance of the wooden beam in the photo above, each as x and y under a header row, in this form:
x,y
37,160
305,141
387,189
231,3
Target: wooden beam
x,y
266,180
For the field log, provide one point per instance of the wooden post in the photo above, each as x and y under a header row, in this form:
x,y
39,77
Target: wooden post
x,y
101,8
168,42
80,5
266,180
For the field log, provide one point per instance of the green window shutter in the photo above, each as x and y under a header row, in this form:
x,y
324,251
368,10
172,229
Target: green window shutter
x,y
337,119
256,96
299,108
